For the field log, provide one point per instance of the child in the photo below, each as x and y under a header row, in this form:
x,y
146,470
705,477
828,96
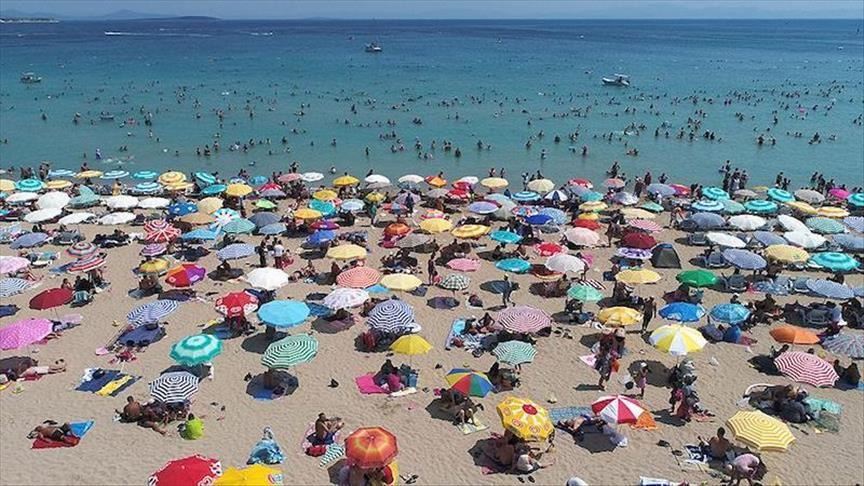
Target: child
x,y
641,378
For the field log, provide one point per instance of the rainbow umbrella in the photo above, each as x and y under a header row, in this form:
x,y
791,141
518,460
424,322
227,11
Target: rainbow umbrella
x,y
185,275
469,382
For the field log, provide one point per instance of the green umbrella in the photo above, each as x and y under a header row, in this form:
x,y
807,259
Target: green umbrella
x,y
290,351
697,278
265,204
585,293
195,350
514,352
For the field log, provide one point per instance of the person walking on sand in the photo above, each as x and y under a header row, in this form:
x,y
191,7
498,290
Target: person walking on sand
x,y
649,311
506,291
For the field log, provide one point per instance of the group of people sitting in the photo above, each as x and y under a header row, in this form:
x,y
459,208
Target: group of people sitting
x,y
157,415
395,379
511,454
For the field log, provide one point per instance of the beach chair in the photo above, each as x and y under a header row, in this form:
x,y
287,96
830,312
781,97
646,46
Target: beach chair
x,y
716,260
783,281
697,239
817,318
81,298
736,283
799,286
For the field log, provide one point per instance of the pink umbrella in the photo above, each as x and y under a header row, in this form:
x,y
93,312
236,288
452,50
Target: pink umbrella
x,y
806,368
153,249
581,182
289,177
11,264
23,333
618,409
839,193
614,183
645,225
464,264
524,319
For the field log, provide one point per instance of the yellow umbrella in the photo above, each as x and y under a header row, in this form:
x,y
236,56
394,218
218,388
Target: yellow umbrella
x,y
677,339
238,190
307,213
593,206
410,344
171,177
635,277
786,254
525,419
375,197
470,231
589,216
178,186
760,431
157,265
802,207
832,212
346,252
6,185
494,183
89,174
619,316
436,225
57,184
255,475
325,195
345,180
436,181
637,213
401,281
197,218
209,205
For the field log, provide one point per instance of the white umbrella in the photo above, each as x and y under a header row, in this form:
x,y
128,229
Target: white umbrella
x,y
53,199
116,218
563,263
725,240
311,176
377,179
121,202
154,203
267,278
41,215
345,298
804,239
411,179
469,180
791,224
20,197
582,236
76,218
541,185
746,222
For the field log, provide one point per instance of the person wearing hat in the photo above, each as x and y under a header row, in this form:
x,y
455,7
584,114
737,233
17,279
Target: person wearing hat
x,y
641,378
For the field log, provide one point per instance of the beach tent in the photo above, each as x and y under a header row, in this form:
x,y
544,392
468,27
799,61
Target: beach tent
x,y
665,256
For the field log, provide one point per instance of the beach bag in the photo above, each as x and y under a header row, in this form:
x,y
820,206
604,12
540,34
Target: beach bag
x,y
368,340
316,450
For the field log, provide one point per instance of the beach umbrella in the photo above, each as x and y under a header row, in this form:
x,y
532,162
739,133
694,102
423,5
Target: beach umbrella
x,y
747,222
558,216
582,237
182,208
593,206
283,313
12,264
324,224
114,174
42,215
23,333
273,229
347,252
619,316
401,281
470,231
290,351
375,197
548,248
209,205
525,196
625,198
435,181
523,319
22,197
436,225
614,183
732,207
482,207
345,180
780,195
345,298
725,240
311,176
832,212
352,205
53,200
524,211
198,218
682,312
236,304
48,299
760,206
154,203
358,277
267,278
237,226
850,243
402,198
855,223
636,277
494,183
760,431
591,196
121,202
824,225
156,265
325,195
464,264
76,218
116,218
238,190
564,263
767,238
809,196
707,220
697,278
729,313
829,289
29,185
834,261
793,335
677,340
410,345
846,344
214,189
804,239
254,475
58,184
171,177
204,178
504,236
514,353
391,316
321,237
410,179
714,193
525,419
802,207
541,185
7,185
806,368
707,205
770,288
786,254
53,173
744,259
580,182
617,409
584,293
455,282
377,179
86,264
469,382
235,251
370,448
659,189
639,213
197,470
174,387
29,240
264,218
14,286
195,350
397,229
645,225
513,265
791,224
147,188
185,275
638,240
160,231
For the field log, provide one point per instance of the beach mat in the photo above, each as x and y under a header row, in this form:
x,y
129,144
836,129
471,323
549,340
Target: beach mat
x,y
79,430
334,453
560,414
468,428
110,384
366,385
404,392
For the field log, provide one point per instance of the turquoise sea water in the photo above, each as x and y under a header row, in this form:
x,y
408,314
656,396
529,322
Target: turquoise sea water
x,y
466,81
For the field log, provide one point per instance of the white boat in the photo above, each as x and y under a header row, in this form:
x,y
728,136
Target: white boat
x,y
30,78
373,47
617,80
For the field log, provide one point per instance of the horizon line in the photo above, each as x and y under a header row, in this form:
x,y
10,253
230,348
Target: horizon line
x,y
169,17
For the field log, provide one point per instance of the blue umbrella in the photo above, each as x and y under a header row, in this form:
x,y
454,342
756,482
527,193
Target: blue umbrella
x,y
352,205
237,226
525,196
768,287
515,265
86,198
214,189
851,243
200,234
151,312
591,196
715,193
856,200
264,218
273,229
506,237
780,195
825,226
147,187
258,180
729,313
114,174
482,207
856,223
744,259
538,219
283,313
321,237
324,207
29,185
834,261
60,173
707,220
145,175
13,286
760,207
707,205
205,178
664,190
767,238
29,240
272,193
558,216
682,312
182,208
829,289
235,251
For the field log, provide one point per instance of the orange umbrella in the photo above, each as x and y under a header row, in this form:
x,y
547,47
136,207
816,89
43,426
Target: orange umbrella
x,y
793,335
370,448
397,229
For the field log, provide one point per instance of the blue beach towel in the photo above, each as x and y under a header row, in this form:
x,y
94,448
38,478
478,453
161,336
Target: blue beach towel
x,y
80,429
377,289
561,414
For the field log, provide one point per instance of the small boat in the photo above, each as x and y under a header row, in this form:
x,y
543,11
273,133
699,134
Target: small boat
x,y
30,78
106,116
617,80
373,47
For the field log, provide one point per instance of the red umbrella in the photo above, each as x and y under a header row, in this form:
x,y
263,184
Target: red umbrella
x,y
618,409
586,223
236,304
581,182
370,448
640,241
324,224
86,264
185,275
680,189
462,186
548,248
397,229
160,231
270,186
806,368
458,194
51,298
192,470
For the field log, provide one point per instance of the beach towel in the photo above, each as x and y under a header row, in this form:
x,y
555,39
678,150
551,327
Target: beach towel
x,y
588,359
695,454
455,329
377,289
78,429
468,428
561,414
306,441
334,453
420,291
645,422
109,384
366,385
257,391
403,392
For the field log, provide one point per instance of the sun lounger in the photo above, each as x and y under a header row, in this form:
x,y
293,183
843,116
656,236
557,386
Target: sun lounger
x,y
697,239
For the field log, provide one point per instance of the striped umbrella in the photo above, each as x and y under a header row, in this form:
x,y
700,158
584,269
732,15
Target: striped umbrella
x,y
760,206
617,409
525,419
829,289
469,382
237,226
290,351
358,277
856,199
780,195
846,344
86,264
195,350
153,249
786,254
524,211
391,316
174,387
345,298
677,340
29,185
236,304
370,448
12,264
25,332
614,183
584,293
729,313
645,225
525,196
514,353
455,282
464,264
147,188
825,226
834,261
707,205
235,251
806,368
283,313
523,319
715,193
851,243
13,286
145,175
205,178
160,231
856,223
732,207
185,275
744,259
82,248
760,431
151,312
